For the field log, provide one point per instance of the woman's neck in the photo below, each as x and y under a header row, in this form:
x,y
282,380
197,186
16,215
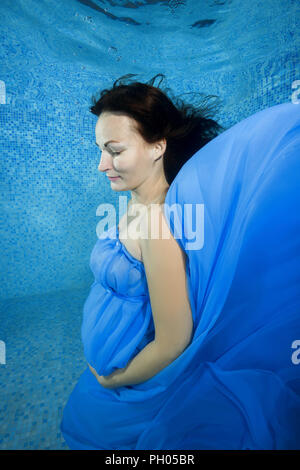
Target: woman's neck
x,y
159,199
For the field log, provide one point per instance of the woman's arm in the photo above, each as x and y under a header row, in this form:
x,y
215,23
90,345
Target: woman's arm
x,y
164,264
147,363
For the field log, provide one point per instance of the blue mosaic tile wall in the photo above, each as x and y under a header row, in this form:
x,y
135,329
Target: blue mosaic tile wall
x,y
54,56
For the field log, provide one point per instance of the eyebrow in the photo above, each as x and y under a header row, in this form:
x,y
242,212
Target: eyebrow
x,y
108,142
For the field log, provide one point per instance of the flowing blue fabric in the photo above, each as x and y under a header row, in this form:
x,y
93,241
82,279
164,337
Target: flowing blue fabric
x,y
237,385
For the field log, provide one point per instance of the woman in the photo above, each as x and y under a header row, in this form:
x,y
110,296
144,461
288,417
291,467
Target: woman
x,y
189,346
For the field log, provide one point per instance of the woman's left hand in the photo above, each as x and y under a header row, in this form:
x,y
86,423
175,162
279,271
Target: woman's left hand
x,y
106,381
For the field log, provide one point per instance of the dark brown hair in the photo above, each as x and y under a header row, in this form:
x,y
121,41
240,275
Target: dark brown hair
x,y
185,127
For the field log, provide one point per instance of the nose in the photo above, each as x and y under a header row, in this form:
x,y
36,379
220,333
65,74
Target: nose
x,y
105,162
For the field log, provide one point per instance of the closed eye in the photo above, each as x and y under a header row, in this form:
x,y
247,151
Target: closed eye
x,y
113,153
110,151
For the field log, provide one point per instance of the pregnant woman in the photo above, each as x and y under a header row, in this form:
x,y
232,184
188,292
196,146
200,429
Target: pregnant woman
x,y
191,328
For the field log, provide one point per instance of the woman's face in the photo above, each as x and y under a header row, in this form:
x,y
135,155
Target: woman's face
x,y
129,157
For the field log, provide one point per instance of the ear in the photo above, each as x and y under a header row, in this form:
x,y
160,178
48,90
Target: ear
x,y
160,147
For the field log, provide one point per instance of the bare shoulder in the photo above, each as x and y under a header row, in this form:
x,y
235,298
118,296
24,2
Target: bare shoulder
x,y
157,237
154,224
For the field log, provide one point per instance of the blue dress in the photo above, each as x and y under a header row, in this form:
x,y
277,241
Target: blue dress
x,y
237,385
